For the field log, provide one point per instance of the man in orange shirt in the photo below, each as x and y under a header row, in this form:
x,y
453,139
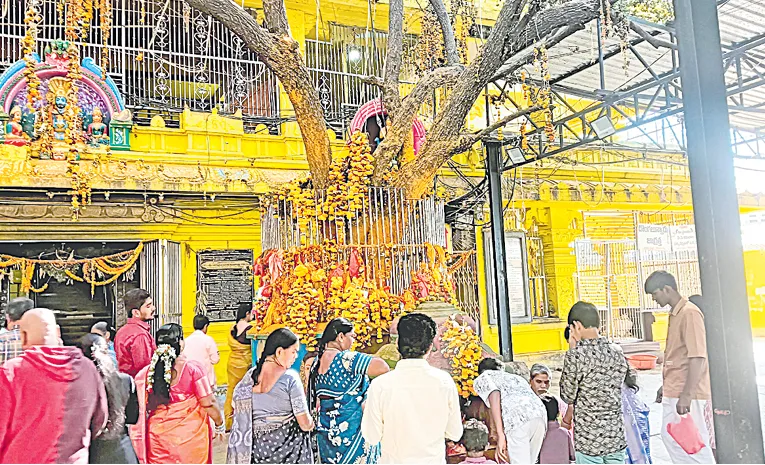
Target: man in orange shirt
x,y
686,387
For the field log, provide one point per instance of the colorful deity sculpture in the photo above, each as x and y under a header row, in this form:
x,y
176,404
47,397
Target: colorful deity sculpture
x,y
98,131
14,131
58,121
74,113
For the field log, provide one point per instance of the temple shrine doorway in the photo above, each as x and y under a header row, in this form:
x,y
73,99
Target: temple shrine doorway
x,y
77,306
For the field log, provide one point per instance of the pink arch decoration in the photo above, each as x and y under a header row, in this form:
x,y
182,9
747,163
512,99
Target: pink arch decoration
x,y
375,108
88,77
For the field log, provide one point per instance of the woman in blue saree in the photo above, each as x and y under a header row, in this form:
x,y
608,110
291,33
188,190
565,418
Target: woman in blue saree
x,y
338,384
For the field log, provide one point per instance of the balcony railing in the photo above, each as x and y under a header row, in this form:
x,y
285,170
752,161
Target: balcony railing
x,y
163,56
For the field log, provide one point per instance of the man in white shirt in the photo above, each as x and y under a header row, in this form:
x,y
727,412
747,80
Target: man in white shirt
x,y
202,348
413,409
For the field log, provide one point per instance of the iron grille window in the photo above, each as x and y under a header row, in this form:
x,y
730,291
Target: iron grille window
x,y
339,66
164,56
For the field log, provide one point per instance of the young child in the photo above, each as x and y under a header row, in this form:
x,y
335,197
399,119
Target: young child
x,y
558,446
475,438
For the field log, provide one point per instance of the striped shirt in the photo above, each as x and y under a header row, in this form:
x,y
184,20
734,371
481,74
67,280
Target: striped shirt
x,y
10,345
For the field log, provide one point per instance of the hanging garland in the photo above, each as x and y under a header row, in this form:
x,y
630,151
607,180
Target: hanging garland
x,y
98,271
462,347
306,287
77,17
28,43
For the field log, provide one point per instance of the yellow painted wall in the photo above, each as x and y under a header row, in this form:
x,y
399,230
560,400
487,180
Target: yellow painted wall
x,y
230,232
194,238
171,160
559,223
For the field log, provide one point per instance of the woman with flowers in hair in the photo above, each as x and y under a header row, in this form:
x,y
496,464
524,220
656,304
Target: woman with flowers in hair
x,y
177,405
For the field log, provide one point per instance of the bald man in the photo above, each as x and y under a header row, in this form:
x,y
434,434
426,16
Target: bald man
x,y
55,401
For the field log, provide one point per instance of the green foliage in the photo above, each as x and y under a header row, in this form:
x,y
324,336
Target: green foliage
x,y
655,11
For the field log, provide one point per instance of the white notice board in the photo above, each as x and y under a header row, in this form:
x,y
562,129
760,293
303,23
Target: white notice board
x,y
517,276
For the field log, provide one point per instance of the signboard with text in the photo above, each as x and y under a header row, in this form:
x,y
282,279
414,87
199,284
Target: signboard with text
x,y
654,237
224,280
683,238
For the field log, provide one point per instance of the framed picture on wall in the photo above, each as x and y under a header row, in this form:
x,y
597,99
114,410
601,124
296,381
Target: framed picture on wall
x,y
516,260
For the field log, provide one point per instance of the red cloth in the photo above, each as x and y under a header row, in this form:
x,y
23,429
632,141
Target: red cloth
x,y
53,403
134,346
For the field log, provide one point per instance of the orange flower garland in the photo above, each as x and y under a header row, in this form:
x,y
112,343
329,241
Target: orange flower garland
x,y
112,266
462,347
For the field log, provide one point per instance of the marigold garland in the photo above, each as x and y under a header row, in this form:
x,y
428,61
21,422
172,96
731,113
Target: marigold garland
x,y
309,291
94,270
77,17
462,347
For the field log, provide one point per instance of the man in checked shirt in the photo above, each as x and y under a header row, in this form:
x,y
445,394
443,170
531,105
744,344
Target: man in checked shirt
x,y
10,341
591,385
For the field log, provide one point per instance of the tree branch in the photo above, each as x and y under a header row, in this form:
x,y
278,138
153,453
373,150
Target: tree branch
x,y
373,81
450,43
526,55
275,15
281,54
655,41
393,56
513,32
468,141
398,129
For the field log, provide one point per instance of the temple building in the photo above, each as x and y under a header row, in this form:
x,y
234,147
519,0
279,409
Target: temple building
x,y
143,160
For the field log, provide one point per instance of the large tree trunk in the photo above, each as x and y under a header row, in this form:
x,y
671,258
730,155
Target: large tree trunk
x,y
518,27
281,54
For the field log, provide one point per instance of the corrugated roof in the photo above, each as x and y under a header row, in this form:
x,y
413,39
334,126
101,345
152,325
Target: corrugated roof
x,y
740,21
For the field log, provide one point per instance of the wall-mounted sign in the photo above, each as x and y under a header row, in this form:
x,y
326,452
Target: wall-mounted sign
x,y
516,260
654,237
683,238
224,280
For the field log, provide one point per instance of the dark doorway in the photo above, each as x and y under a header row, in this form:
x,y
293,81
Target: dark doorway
x,y
76,309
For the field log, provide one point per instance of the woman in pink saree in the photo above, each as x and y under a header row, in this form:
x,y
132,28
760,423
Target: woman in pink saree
x,y
178,409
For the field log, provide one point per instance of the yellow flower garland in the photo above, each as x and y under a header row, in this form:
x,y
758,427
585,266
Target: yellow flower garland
x,y
114,265
462,347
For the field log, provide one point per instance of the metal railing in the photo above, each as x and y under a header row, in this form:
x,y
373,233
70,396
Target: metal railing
x,y
540,307
608,277
464,274
164,56
340,65
160,275
388,230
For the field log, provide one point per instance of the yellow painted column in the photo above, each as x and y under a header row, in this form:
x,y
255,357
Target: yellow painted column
x,y
558,228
